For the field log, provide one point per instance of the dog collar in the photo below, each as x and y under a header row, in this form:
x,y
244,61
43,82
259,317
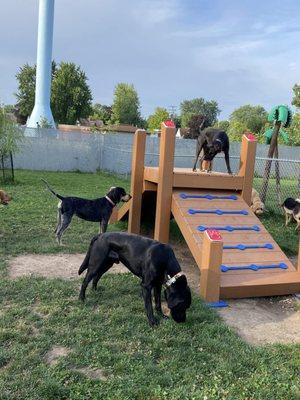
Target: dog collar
x,y
172,280
110,201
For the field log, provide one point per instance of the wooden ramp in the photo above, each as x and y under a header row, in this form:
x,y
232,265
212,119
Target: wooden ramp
x,y
241,282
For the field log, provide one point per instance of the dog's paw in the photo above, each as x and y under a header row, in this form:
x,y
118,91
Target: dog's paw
x,y
194,169
154,322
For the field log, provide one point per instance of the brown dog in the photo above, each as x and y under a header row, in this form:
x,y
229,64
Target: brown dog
x,y
257,205
4,198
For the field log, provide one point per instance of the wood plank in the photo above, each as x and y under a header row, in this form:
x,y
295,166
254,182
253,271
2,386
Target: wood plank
x,y
137,178
259,285
151,174
165,182
247,165
206,181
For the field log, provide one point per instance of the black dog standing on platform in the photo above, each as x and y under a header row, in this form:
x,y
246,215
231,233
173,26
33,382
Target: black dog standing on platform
x,y
212,141
154,262
98,210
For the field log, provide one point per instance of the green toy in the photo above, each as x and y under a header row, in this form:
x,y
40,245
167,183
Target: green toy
x,y
282,114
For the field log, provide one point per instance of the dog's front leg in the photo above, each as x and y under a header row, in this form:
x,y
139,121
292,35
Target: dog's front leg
x,y
227,162
146,292
157,300
198,151
103,226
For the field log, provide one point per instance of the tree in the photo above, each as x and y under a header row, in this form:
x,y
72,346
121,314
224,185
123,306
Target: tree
x,y
199,106
71,97
195,123
154,120
10,134
26,90
236,129
224,125
294,131
102,112
126,105
296,99
253,118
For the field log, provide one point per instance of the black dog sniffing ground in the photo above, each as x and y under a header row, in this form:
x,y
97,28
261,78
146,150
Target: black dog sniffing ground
x,y
154,262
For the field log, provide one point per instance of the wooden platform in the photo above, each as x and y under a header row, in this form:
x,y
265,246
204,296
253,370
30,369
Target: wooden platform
x,y
241,283
185,177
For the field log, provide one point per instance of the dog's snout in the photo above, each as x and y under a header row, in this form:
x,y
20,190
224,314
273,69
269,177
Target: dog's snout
x,y
126,198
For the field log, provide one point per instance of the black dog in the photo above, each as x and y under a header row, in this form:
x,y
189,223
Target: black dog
x,y
292,210
98,210
152,261
212,141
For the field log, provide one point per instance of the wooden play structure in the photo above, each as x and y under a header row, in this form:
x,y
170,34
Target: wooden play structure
x,y
236,255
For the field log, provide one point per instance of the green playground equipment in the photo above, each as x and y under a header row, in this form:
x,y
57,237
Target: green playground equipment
x,y
283,115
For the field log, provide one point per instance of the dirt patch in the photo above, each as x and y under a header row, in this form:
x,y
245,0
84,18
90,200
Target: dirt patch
x,y
52,356
258,321
95,374
63,266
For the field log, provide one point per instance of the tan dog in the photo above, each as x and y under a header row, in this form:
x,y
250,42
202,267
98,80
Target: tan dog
x,y
4,198
206,166
257,205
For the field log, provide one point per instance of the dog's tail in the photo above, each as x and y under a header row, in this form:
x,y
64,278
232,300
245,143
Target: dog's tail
x,y
85,262
51,190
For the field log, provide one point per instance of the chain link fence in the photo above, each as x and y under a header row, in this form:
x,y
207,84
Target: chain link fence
x,y
6,168
54,150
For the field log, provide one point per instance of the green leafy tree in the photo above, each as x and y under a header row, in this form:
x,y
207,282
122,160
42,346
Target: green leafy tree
x,y
253,118
154,121
126,105
102,112
224,125
236,129
71,97
26,90
294,131
296,98
70,94
10,134
199,106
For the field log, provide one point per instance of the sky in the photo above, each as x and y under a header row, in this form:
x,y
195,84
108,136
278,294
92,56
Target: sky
x,y
233,51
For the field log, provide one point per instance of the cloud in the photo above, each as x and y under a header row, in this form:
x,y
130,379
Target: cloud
x,y
234,52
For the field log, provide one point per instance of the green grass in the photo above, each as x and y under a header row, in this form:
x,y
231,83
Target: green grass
x,y
28,223
202,359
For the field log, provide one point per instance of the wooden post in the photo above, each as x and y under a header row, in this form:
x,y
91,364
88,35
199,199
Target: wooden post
x,y
212,252
137,179
165,182
298,269
247,165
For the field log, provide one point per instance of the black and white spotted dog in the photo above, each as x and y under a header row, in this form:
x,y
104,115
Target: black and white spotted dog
x,y
97,210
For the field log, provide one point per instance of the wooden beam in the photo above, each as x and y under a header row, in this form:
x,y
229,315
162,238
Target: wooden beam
x,y
137,178
247,165
298,268
210,266
165,182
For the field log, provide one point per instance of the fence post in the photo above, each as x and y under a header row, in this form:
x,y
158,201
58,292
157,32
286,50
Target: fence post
x,y
212,252
165,182
137,179
247,165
